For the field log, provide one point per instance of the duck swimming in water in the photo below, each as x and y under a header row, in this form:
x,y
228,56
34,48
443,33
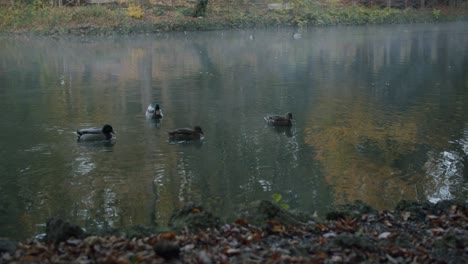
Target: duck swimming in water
x,y
95,134
186,134
277,120
154,112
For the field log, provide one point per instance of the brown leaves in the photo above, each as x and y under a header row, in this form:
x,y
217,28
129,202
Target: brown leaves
x,y
322,227
347,224
241,222
276,227
372,238
168,236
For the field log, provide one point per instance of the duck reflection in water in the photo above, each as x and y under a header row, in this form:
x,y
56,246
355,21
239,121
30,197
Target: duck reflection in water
x,y
287,130
154,122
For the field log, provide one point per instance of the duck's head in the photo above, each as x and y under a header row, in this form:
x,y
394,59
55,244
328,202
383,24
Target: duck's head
x,y
289,116
107,129
157,107
198,130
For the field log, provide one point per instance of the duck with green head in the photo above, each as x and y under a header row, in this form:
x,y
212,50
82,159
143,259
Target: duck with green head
x,y
95,133
154,112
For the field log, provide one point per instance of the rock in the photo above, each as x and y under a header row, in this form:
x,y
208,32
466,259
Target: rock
x,y
350,209
260,212
167,250
204,257
194,218
57,230
346,241
420,210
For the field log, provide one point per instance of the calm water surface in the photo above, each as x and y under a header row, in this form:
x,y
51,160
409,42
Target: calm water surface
x,y
381,114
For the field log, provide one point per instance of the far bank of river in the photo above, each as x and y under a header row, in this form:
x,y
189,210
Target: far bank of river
x,y
124,19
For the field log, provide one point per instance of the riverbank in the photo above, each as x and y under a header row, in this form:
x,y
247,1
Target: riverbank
x,y
127,19
264,233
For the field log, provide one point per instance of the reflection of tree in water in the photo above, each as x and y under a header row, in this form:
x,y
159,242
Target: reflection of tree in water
x,y
379,156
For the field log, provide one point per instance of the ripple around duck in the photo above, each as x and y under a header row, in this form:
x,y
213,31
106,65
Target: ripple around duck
x,y
40,148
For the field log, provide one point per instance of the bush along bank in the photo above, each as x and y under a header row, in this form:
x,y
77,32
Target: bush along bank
x,y
265,233
125,19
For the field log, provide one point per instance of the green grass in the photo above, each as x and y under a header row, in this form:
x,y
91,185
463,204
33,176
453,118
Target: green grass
x,y
98,19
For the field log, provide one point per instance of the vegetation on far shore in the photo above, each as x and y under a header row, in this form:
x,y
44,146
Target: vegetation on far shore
x,y
40,16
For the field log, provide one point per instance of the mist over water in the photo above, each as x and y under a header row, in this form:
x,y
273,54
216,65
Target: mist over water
x,y
381,114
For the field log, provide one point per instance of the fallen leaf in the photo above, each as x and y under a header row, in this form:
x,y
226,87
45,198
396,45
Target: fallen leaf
x,y
321,227
232,251
241,222
437,230
329,234
168,236
432,217
387,223
384,235
406,215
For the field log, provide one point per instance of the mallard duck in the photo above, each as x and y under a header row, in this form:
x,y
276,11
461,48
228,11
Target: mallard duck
x,y
154,112
186,134
277,120
94,133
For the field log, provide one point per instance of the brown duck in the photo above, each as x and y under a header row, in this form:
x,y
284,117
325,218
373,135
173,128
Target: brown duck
x,y
277,120
186,134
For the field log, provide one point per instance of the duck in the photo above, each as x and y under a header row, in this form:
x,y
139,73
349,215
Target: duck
x,y
95,133
154,112
186,134
277,120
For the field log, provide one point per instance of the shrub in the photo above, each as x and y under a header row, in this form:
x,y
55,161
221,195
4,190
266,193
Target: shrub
x,y
135,11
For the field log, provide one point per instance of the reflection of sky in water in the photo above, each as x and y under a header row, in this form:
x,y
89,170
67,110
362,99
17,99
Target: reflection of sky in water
x,y
266,185
111,212
85,165
185,177
292,145
446,169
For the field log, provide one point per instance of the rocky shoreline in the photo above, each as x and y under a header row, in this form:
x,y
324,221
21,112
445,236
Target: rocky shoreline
x,y
265,233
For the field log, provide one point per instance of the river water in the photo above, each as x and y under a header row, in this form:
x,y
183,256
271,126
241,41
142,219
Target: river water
x,y
381,114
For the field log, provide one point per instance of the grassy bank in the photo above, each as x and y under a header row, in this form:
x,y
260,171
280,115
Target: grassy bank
x,y
129,18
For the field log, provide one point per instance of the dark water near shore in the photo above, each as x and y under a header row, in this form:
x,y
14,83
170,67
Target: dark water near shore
x,y
381,114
